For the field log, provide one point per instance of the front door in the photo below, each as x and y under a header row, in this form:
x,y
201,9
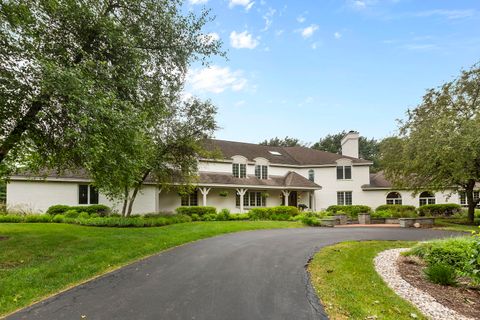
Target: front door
x,y
292,199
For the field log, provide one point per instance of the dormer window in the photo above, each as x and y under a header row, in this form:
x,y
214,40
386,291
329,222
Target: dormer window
x,y
344,172
311,175
261,171
239,170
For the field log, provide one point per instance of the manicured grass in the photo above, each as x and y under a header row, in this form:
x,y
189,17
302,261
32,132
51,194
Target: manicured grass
x,y
456,225
349,287
38,259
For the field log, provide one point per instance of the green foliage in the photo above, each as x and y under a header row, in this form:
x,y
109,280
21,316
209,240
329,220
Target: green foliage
x,y
454,252
199,210
43,218
223,215
311,221
3,191
352,210
273,213
11,218
98,209
285,142
438,146
85,215
435,210
394,211
441,274
58,218
239,216
71,213
368,148
395,207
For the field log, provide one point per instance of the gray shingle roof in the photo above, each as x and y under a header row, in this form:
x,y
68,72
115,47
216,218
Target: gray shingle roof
x,y
290,180
288,155
378,180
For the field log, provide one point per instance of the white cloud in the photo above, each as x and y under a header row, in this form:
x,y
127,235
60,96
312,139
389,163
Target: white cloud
x,y
301,19
279,32
449,14
247,4
197,1
216,79
243,40
268,17
337,35
358,4
210,37
309,31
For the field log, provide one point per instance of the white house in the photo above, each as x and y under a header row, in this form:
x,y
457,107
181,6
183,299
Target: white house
x,y
246,176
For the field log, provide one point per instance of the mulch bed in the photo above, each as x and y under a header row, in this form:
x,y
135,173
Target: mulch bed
x,y
461,298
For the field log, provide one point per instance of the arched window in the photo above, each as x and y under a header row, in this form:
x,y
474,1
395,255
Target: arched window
x,y
394,198
426,197
311,175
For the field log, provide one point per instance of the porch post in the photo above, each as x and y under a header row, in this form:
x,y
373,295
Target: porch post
x,y
286,193
204,192
241,192
314,201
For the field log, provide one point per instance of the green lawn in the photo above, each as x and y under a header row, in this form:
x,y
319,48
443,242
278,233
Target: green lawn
x,y
456,225
349,287
40,259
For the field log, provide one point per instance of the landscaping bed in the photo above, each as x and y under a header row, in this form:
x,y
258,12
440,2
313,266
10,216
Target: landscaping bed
x,y
348,286
462,298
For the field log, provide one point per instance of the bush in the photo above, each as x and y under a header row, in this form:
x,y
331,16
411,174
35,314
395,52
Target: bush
x,y
441,274
58,218
273,213
446,210
42,218
11,218
223,215
352,211
395,207
311,221
71,213
394,214
454,252
57,209
85,215
199,210
238,216
99,209
209,217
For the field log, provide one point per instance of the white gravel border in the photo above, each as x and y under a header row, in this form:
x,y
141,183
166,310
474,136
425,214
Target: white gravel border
x,y
387,267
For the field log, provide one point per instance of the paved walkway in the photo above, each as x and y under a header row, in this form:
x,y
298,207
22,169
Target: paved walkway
x,y
247,275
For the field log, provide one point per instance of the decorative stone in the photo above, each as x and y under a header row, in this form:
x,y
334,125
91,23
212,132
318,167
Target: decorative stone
x,y
364,218
342,218
422,221
417,225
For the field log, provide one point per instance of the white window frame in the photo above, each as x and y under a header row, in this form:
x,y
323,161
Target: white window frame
x,y
394,200
241,173
261,171
343,172
422,201
90,188
342,201
311,175
252,199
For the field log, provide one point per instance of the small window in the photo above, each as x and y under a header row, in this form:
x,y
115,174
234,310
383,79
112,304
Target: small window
x,y
311,175
87,194
344,198
344,172
394,198
463,197
190,200
426,197
261,172
83,194
243,170
236,170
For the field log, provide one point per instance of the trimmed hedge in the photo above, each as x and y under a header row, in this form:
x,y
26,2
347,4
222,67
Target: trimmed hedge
x,y
273,213
352,210
448,209
99,209
395,207
198,210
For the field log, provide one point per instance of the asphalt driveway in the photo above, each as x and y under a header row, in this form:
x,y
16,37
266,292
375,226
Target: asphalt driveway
x,y
246,275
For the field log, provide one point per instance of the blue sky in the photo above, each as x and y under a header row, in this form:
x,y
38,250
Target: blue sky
x,y
308,68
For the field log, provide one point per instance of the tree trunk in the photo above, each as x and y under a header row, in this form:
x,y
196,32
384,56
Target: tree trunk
x,y
472,204
135,192
125,202
13,138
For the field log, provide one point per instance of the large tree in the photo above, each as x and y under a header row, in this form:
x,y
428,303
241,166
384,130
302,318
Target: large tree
x,y
79,77
368,148
438,146
285,142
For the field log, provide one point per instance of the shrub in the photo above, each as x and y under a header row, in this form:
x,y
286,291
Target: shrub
x,y
223,215
85,215
273,213
199,210
291,211
11,218
71,213
311,221
209,217
395,207
352,210
441,274
238,216
58,218
43,218
459,253
195,217
394,214
446,210
57,209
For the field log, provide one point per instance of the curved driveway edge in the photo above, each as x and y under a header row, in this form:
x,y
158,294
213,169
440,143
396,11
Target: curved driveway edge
x,y
246,275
